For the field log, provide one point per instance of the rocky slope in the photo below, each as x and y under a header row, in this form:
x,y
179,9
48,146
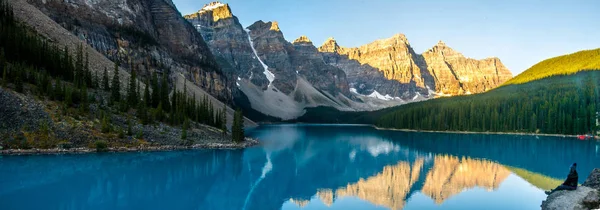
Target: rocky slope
x,y
149,35
391,67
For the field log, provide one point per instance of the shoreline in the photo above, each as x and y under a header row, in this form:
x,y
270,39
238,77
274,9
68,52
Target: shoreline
x,y
474,132
84,150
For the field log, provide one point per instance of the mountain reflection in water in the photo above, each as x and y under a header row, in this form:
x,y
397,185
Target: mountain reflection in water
x,y
310,166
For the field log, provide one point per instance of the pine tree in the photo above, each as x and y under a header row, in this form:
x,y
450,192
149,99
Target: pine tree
x,y
186,125
96,81
142,113
131,90
155,90
164,93
237,129
147,99
174,100
79,78
116,86
84,100
105,80
18,81
105,123
4,77
223,120
88,72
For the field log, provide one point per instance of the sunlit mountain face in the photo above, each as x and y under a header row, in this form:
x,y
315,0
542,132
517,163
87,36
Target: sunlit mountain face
x,y
309,167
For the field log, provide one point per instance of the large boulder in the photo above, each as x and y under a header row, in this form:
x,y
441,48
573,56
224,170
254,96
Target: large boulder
x,y
567,200
585,197
592,200
593,180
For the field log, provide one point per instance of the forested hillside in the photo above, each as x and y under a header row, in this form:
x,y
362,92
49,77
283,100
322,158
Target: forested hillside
x,y
556,105
562,65
87,108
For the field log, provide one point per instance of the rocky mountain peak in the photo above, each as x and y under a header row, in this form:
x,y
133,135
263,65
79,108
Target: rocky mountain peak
x,y
442,48
217,9
302,40
401,37
330,45
441,44
274,26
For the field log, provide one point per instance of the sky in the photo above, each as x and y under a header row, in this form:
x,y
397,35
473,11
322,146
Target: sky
x,y
519,32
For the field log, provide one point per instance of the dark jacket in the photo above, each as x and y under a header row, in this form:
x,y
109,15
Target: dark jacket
x,y
572,179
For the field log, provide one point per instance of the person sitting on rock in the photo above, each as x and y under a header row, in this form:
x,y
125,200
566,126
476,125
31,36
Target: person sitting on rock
x,y
570,183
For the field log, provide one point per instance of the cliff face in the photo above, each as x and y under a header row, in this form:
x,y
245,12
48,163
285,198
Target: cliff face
x,y
438,71
456,75
279,78
149,34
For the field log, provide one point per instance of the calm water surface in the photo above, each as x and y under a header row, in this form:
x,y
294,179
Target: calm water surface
x,y
307,167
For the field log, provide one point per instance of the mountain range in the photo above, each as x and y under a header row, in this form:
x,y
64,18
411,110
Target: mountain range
x,y
282,79
257,69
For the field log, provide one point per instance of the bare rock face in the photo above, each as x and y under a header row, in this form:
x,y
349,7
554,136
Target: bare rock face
x,y
261,55
150,34
440,70
309,63
454,74
229,43
593,179
385,60
364,78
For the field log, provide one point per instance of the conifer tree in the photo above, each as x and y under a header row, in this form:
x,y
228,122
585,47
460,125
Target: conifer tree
x,y
155,90
186,125
105,128
79,77
105,80
116,86
84,100
147,99
237,129
131,90
88,72
4,77
164,93
223,120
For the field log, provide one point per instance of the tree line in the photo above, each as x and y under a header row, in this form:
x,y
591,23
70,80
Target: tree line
x,y
556,105
57,74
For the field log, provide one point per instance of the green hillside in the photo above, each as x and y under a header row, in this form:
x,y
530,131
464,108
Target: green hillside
x,y
555,105
562,65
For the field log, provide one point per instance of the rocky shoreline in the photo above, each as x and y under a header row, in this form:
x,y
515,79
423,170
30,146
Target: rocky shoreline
x,y
84,150
587,196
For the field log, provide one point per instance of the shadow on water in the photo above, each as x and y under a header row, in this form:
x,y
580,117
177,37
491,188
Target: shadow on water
x,y
296,164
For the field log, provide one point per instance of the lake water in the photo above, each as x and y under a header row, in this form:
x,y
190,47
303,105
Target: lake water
x,y
307,167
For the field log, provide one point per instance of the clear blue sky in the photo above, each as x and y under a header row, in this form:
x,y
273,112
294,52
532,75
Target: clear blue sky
x,y
519,32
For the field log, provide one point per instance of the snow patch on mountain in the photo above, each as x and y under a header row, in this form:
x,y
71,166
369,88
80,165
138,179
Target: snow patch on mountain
x,y
270,76
212,6
378,95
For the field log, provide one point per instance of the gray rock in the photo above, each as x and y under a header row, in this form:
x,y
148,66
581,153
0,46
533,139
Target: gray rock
x,y
592,200
567,200
593,180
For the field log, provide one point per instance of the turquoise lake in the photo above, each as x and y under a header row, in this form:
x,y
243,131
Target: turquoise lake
x,y
307,167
